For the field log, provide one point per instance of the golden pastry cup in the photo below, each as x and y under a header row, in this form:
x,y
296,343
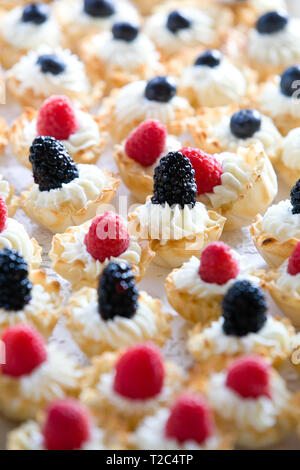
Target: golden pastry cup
x,y
57,220
272,250
92,347
4,135
37,255
88,155
12,201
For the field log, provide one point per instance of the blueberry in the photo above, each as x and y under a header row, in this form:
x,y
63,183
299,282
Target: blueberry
x,y
245,123
161,89
290,81
125,31
51,63
99,8
177,21
35,13
272,22
211,58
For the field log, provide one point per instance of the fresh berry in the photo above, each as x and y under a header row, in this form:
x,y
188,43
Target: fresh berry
x,y
161,89
36,13
211,58
174,181
99,8
272,22
117,291
25,350
125,31
294,262
50,63
3,214
139,373
208,170
15,287
245,123
177,21
147,142
57,118
107,237
295,198
52,166
244,309
218,265
190,419
249,377
289,82
67,425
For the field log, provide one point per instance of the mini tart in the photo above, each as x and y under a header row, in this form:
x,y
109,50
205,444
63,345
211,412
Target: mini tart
x,y
43,310
277,233
125,109
249,185
196,300
95,336
4,132
211,132
176,234
71,260
30,86
21,398
84,146
288,166
72,204
7,192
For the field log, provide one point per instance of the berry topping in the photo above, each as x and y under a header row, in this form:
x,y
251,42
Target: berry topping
x,y
25,350
245,123
67,425
3,214
211,58
174,181
107,237
50,63
289,82
208,170
36,13
117,292
272,22
177,21
57,118
249,377
294,262
15,287
52,166
295,198
139,373
244,309
218,264
99,8
147,142
125,31
190,419
161,89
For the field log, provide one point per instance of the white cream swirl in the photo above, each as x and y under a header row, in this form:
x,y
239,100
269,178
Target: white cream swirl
x,y
259,414
280,222
288,283
15,237
4,188
291,149
274,103
215,86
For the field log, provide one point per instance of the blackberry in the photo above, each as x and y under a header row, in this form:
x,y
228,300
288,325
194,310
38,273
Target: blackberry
x,y
295,198
35,13
117,292
51,164
244,309
174,181
50,63
15,287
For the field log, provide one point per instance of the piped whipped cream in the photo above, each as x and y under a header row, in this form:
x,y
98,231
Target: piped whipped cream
x,y
287,283
274,103
291,149
280,222
15,237
4,188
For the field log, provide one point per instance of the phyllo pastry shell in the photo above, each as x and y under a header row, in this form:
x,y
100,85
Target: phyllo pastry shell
x,y
4,133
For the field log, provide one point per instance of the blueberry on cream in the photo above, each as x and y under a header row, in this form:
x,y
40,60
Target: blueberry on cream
x,y
245,123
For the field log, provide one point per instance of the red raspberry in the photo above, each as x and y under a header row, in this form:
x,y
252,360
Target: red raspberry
x,y
139,372
57,118
3,214
190,419
25,350
147,142
208,170
107,236
217,264
294,261
249,377
67,425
